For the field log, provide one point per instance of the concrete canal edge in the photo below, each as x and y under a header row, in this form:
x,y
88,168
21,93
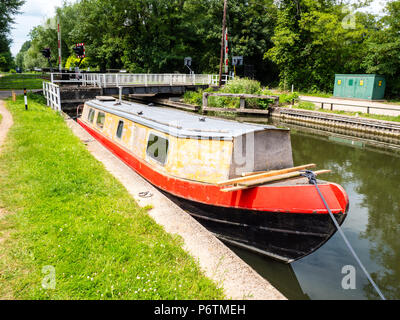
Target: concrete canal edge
x,y
219,263
376,127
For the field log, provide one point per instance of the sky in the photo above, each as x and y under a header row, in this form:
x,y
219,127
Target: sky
x,y
35,12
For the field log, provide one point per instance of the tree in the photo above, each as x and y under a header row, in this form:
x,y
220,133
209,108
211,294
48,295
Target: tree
x,y
19,59
313,40
383,44
8,8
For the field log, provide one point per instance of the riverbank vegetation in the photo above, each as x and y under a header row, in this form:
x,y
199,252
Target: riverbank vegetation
x,y
301,43
8,9
240,85
19,82
63,214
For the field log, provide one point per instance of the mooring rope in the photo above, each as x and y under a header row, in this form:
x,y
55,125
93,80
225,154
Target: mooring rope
x,y
310,175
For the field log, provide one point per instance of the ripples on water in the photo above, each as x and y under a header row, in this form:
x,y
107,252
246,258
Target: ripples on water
x,y
371,178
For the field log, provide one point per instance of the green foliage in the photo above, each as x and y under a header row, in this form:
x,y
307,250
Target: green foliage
x,y
73,62
8,8
193,97
235,86
383,49
306,105
312,42
286,98
70,213
19,59
20,81
155,36
302,42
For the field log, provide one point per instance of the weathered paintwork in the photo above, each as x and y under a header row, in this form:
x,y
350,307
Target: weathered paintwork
x,y
186,157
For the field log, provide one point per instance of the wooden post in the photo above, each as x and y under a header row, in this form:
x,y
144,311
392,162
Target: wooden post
x,y
205,102
242,103
58,98
14,96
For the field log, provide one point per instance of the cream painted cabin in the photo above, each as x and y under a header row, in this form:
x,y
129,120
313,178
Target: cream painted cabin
x,y
189,146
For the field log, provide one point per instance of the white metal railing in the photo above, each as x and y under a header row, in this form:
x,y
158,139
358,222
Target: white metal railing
x,y
104,80
51,92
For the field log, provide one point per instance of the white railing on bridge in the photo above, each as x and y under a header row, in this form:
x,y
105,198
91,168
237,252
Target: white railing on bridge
x,y
51,92
104,80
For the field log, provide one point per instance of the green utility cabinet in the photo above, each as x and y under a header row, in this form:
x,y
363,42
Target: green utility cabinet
x,y
360,86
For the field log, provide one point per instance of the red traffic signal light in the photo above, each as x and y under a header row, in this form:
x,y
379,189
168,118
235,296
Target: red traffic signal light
x,y
46,53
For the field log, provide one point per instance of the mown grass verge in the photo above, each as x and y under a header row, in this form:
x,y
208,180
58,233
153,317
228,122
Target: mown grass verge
x,y
67,212
19,82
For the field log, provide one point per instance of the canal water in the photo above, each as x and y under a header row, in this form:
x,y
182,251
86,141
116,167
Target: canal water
x,y
371,178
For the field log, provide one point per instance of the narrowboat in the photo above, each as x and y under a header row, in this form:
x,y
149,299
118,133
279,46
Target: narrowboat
x,y
237,179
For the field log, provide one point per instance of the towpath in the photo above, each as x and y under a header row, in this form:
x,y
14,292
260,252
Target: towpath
x,y
352,105
5,123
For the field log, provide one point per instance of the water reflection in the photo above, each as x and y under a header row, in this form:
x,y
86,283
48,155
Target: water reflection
x,y
373,226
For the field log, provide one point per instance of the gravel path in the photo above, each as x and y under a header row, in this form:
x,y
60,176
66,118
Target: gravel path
x,y
6,122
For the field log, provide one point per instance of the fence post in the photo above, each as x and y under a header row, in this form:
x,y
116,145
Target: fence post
x,y
25,99
58,98
205,102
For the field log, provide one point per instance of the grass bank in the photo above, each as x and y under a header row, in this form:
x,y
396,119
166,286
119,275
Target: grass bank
x,y
19,82
68,217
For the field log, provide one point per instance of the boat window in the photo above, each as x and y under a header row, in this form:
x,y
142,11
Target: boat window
x,y
100,120
91,115
157,148
120,129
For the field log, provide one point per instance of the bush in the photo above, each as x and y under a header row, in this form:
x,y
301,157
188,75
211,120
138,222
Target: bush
x,y
306,105
193,97
285,98
12,71
235,86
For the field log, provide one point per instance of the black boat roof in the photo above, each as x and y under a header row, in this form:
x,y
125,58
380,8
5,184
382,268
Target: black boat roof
x,y
176,122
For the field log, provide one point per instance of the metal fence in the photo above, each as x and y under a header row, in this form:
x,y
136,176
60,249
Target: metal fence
x,y
104,80
51,92
352,104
